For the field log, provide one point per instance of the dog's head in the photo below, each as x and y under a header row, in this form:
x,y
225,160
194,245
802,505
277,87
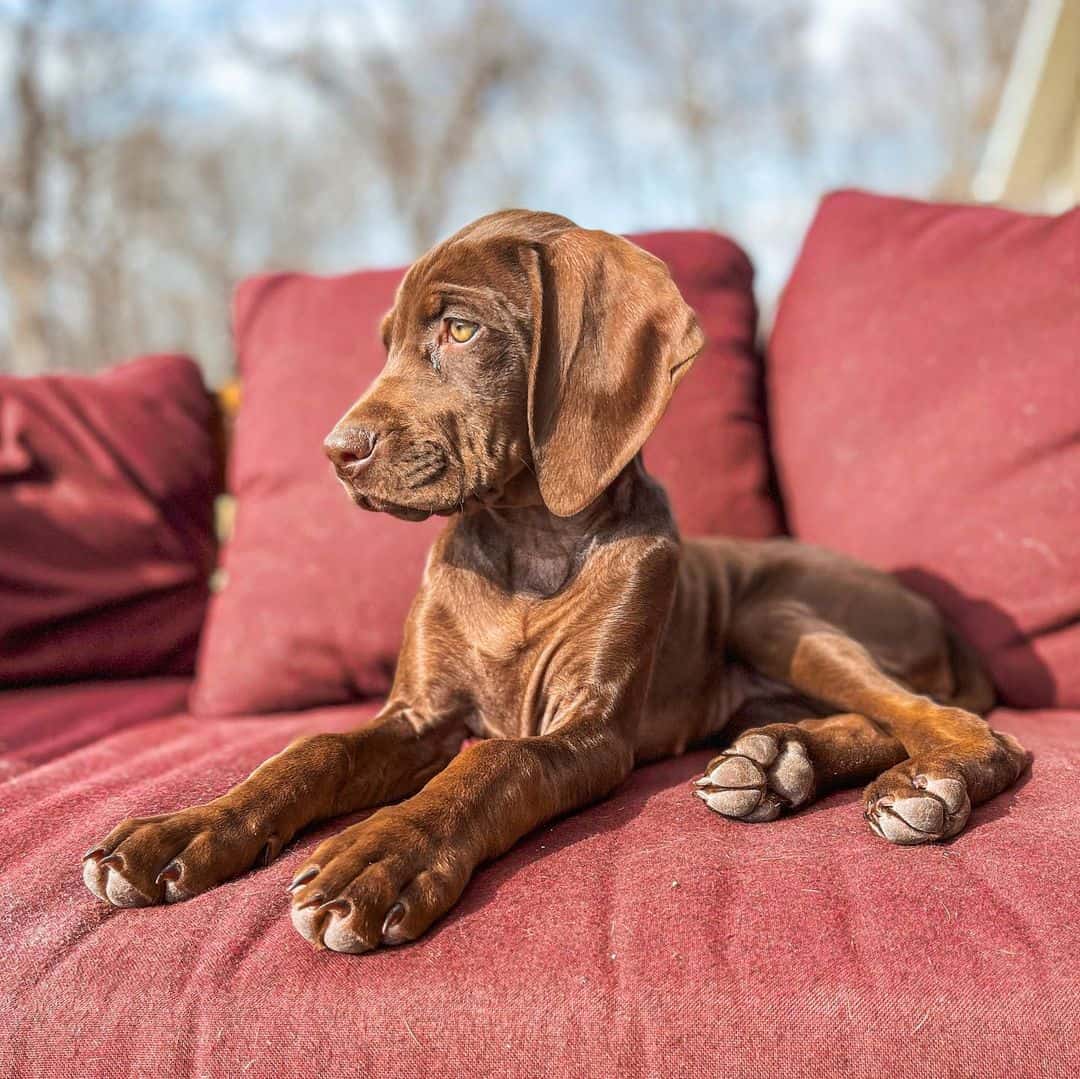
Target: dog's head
x,y
520,344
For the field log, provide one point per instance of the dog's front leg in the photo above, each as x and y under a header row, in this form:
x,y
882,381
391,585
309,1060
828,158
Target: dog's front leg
x,y
174,856
386,879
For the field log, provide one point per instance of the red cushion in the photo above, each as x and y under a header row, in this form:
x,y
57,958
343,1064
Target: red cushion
x,y
317,591
645,936
106,513
924,376
41,723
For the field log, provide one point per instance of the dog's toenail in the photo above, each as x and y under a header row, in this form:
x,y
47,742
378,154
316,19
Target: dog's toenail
x,y
393,917
317,899
302,878
170,872
113,860
97,853
338,906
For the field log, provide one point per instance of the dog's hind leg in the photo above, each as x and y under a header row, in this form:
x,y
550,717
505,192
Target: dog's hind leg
x,y
776,767
953,760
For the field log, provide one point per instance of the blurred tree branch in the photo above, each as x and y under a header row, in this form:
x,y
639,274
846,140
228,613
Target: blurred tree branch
x,y
146,164
24,270
418,116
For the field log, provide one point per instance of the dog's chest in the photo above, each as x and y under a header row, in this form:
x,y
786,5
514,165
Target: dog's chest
x,y
511,663
514,654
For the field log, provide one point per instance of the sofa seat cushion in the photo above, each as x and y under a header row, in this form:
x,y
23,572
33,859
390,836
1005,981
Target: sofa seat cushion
x,y
41,723
924,382
316,591
631,939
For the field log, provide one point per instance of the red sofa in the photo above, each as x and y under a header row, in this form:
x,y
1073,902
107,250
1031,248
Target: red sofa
x,y
644,936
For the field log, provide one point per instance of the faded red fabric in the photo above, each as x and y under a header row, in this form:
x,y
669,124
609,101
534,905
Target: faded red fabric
x,y
40,723
643,937
924,377
317,590
106,519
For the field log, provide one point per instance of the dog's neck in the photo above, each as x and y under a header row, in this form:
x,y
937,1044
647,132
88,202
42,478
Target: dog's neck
x,y
521,546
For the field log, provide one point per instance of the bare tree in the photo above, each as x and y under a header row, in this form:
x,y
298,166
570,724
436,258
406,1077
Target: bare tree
x,y
61,245
22,198
725,77
420,114
130,205
126,222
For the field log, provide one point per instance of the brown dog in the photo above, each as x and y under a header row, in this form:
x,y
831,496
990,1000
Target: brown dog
x,y
561,619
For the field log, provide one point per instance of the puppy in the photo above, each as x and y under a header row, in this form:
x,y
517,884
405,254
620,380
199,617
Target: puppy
x,y
563,622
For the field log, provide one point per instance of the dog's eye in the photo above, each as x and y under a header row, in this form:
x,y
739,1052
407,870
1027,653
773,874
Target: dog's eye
x,y
462,331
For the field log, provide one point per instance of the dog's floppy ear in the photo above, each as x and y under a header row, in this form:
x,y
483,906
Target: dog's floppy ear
x,y
612,337
386,326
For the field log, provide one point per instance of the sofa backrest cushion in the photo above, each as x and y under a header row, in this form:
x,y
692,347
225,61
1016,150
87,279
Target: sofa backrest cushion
x,y
924,377
316,591
106,521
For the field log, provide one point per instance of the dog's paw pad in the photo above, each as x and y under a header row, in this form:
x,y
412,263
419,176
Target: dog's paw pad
x,y
760,776
792,774
733,770
732,803
761,748
917,809
328,924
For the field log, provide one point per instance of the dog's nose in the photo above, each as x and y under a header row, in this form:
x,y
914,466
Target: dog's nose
x,y
350,449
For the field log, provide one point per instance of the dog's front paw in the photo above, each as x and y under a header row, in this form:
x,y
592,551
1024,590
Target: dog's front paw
x,y
765,772
173,856
382,881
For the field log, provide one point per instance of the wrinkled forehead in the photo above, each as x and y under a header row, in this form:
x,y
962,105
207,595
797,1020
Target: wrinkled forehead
x,y
483,269
477,278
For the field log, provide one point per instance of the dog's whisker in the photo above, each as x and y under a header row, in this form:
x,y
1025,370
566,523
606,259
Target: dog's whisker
x,y
524,462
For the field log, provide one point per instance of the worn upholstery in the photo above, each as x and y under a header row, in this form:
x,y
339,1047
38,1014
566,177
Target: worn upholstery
x,y
631,939
645,936
41,723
